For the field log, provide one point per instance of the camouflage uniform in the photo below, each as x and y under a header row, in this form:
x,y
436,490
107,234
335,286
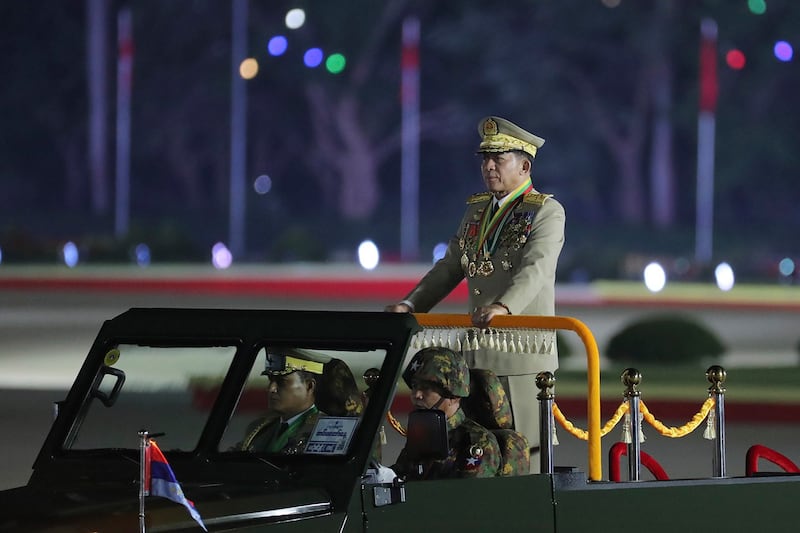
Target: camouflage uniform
x,y
474,451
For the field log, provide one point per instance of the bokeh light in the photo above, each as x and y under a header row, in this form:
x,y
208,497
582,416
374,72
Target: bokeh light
x,y
313,57
262,184
611,3
335,63
277,45
655,278
757,7
221,257
783,51
724,277
368,255
786,267
439,250
70,254
142,255
248,68
295,18
735,59
1,256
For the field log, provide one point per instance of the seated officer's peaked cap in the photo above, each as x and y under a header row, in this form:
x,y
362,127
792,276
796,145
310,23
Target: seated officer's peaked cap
x,y
500,135
278,364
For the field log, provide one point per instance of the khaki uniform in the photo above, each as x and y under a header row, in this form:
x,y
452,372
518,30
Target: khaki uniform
x,y
520,273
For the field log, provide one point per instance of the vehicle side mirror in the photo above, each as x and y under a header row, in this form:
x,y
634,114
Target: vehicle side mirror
x,y
426,436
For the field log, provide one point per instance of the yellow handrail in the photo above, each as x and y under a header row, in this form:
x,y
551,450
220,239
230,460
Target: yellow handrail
x,y
548,322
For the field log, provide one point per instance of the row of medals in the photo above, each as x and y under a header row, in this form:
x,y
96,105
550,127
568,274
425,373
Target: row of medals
x,y
485,267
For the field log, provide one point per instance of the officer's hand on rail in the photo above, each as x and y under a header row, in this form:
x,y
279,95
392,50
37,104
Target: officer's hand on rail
x,y
481,316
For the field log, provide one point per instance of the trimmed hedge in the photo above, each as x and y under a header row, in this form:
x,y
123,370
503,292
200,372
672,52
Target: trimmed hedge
x,y
664,339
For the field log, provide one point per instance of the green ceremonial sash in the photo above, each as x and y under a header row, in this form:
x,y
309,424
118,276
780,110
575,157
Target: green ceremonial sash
x,y
489,235
279,442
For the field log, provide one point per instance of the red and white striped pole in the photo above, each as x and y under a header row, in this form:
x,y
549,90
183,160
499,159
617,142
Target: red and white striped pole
x,y
706,124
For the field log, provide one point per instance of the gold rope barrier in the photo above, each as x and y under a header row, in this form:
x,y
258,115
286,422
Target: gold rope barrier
x,y
672,432
677,432
583,434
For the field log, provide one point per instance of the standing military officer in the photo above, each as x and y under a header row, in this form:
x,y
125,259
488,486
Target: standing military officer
x,y
507,247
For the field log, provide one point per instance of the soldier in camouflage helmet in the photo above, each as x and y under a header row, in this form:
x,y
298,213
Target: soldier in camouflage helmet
x,y
438,378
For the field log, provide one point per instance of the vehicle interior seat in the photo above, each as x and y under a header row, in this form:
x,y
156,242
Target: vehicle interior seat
x,y
488,405
337,392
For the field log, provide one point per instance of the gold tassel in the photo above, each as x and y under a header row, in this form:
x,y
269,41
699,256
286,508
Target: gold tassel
x,y
626,429
710,432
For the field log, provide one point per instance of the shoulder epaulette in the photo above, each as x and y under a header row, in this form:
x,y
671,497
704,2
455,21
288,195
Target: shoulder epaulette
x,y
536,198
479,197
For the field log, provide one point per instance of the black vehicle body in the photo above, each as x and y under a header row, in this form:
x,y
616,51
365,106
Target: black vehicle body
x,y
78,487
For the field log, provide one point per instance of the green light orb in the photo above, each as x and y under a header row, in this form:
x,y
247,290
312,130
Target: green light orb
x,y
757,7
335,63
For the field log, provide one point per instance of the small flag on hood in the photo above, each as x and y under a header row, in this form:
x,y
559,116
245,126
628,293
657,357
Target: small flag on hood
x,y
160,481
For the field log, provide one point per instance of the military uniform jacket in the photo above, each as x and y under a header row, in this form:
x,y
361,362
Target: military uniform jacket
x,y
520,272
523,266
263,435
474,452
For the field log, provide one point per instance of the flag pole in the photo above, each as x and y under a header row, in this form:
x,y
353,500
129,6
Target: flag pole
x,y
144,437
706,125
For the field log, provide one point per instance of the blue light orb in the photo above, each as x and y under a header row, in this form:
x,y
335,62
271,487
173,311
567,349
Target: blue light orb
x,y
313,57
70,254
783,51
262,184
142,255
277,45
786,267
221,257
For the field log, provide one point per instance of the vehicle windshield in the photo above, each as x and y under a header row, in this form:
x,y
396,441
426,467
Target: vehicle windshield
x,y
294,400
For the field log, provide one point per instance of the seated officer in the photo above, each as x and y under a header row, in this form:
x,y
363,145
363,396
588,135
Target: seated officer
x,y
293,414
439,378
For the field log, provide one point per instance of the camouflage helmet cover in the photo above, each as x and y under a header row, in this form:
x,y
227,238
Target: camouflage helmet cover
x,y
441,366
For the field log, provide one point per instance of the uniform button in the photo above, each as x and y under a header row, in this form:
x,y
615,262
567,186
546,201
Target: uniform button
x,y
476,291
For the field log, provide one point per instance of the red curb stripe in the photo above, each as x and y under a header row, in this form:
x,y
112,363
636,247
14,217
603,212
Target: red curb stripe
x,y
329,289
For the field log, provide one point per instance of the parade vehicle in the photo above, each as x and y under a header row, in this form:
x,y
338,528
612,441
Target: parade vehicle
x,y
191,380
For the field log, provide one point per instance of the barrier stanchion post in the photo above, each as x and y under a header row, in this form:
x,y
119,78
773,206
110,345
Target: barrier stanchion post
x,y
545,382
716,376
631,379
